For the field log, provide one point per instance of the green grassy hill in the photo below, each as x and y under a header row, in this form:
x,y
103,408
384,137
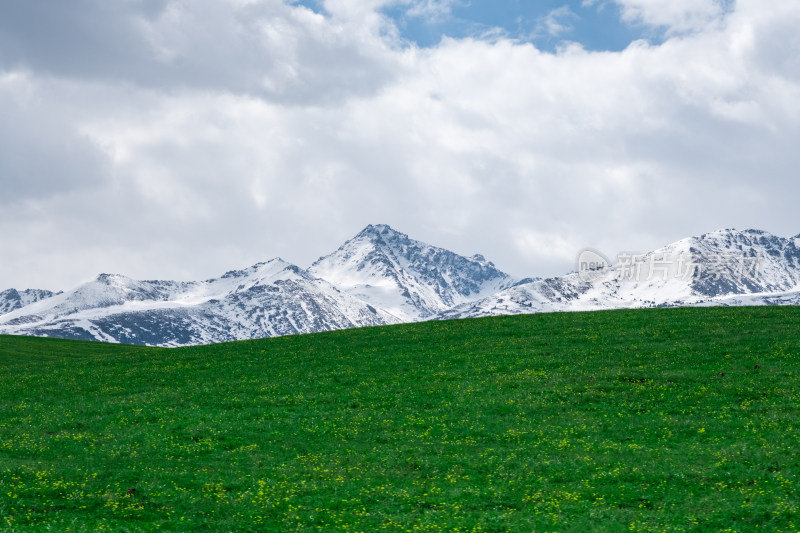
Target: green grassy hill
x,y
647,420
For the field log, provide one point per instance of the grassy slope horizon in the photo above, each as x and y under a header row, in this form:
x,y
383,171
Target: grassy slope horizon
x,y
650,420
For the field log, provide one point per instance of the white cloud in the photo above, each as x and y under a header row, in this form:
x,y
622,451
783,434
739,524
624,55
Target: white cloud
x,y
433,10
557,22
279,131
676,16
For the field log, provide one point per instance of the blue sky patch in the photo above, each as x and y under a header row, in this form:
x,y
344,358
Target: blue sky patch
x,y
545,23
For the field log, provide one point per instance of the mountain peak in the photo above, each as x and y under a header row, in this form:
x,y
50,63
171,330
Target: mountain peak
x,y
738,239
480,259
733,232
380,231
273,265
408,278
113,279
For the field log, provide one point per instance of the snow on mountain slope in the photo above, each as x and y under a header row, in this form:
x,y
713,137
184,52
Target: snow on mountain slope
x,y
13,299
409,279
267,299
708,270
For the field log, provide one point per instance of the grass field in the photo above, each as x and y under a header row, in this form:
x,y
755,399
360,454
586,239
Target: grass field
x,y
647,420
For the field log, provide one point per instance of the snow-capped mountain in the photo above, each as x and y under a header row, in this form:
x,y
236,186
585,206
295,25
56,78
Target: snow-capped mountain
x,y
726,267
267,299
381,276
410,279
12,299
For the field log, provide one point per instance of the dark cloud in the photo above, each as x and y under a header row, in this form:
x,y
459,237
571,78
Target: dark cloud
x,y
266,49
81,38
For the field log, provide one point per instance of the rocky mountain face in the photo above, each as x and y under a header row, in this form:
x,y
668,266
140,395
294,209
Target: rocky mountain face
x,y
13,299
381,276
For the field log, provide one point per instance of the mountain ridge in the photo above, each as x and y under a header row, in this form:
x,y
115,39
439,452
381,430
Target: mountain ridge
x,y
713,267
382,276
267,299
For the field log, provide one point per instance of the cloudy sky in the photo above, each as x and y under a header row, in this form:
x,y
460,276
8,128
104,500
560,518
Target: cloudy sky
x,y
182,138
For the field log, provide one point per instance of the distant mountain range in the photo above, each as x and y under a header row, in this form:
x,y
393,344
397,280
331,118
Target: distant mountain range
x,y
726,267
381,276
